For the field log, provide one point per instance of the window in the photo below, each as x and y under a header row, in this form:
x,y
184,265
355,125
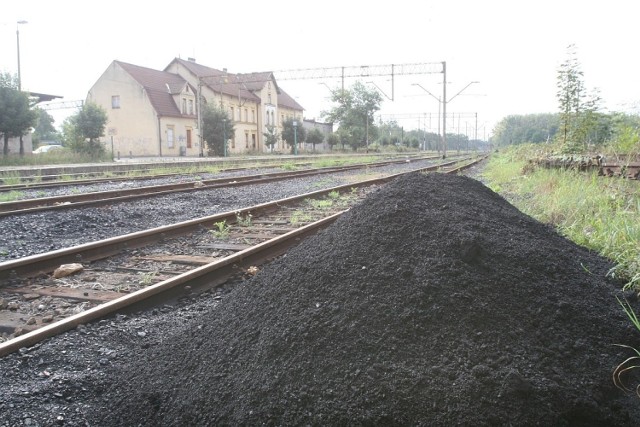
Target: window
x,y
184,106
170,136
246,140
191,106
233,114
246,115
269,98
253,140
115,101
253,116
281,120
233,141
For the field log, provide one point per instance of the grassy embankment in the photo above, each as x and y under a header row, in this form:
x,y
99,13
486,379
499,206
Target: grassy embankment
x,y
602,214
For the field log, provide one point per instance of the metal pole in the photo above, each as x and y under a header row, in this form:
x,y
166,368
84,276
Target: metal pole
x,y
224,137
200,138
444,109
18,40
295,140
476,134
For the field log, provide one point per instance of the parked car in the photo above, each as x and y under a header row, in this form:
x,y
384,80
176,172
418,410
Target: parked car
x,y
46,149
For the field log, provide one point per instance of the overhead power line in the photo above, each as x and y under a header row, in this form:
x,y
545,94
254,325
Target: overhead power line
x,y
359,71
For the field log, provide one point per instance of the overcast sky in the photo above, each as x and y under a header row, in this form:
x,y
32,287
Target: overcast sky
x,y
513,48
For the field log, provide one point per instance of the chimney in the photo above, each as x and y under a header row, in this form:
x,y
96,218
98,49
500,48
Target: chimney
x,y
224,70
191,59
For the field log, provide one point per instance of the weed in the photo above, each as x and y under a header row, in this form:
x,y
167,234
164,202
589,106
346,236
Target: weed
x,y
11,179
630,363
320,204
298,217
221,230
147,278
289,166
244,221
11,196
334,195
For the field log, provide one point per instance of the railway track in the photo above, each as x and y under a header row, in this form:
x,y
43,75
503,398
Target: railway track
x,y
107,197
152,266
61,176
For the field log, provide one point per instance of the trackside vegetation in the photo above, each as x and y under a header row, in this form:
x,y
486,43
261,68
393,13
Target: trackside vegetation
x,y
600,213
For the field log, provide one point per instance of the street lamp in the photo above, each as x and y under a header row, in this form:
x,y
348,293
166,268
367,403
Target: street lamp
x,y
18,41
295,137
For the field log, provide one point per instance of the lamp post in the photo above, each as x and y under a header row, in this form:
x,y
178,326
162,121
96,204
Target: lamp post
x,y
295,137
18,41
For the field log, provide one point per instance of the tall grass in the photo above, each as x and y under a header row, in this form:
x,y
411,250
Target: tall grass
x,y
602,214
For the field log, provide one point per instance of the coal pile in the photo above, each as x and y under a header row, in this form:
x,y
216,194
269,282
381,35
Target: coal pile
x,y
433,302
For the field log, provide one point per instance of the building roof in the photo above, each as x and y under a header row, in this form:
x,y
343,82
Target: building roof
x,y
285,100
240,85
159,86
218,81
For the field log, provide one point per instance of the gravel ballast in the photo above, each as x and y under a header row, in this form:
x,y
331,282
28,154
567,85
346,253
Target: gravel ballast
x,y
30,234
432,302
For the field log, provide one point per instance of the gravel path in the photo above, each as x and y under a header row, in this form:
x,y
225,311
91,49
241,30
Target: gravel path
x,y
30,234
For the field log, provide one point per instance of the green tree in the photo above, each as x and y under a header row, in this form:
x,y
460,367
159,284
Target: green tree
x,y
16,117
83,130
217,129
44,129
289,135
315,136
271,136
578,108
353,111
332,139
522,129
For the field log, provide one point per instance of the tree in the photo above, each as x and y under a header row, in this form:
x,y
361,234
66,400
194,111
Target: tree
x,y
315,136
332,139
578,109
83,130
16,118
353,112
44,129
271,136
522,129
289,135
217,128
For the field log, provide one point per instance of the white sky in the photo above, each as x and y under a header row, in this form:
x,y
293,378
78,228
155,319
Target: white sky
x,y
512,48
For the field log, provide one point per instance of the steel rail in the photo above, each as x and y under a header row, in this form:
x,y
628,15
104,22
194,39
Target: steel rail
x,y
45,262
196,277
111,196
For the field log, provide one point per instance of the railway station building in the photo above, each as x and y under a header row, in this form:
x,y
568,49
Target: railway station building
x,y
155,112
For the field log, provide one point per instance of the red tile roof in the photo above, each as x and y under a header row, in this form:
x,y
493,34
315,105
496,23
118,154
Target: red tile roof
x,y
159,86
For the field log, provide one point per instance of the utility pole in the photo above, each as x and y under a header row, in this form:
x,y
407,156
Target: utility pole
x,y
199,106
444,109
